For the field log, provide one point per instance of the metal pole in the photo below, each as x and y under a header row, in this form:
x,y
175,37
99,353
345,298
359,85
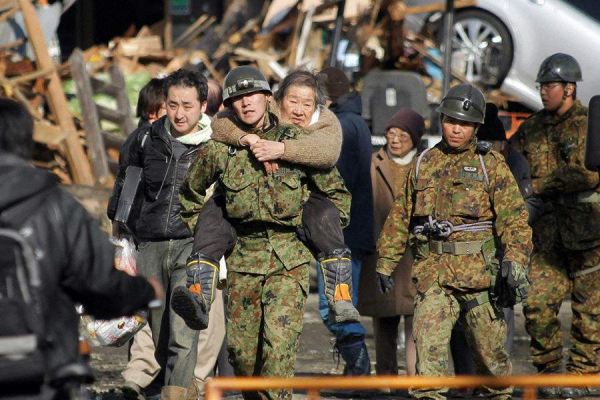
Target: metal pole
x,y
337,33
448,33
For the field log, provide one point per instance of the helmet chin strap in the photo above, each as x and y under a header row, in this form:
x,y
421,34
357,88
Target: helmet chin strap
x,y
564,97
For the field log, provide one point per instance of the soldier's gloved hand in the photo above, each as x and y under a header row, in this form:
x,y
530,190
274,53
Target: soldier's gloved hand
x,y
385,283
503,295
513,278
514,273
518,278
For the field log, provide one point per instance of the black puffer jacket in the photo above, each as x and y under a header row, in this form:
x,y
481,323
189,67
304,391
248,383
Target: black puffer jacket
x,y
354,165
165,162
75,257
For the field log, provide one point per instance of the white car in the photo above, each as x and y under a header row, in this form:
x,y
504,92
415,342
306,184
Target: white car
x,y
503,42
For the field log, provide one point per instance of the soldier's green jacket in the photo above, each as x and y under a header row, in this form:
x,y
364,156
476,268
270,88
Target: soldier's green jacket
x,y
264,208
451,187
555,149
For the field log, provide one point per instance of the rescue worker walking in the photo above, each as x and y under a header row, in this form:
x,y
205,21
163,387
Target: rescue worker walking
x,y
466,223
267,269
566,256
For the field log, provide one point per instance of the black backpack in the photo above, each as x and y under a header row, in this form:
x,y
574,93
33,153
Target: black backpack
x,y
21,319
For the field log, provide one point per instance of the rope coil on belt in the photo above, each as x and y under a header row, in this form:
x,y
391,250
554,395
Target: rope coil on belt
x,y
445,228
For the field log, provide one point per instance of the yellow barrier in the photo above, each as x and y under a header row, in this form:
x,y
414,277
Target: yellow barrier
x,y
215,388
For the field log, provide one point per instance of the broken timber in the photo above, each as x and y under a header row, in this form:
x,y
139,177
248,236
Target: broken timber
x,y
72,148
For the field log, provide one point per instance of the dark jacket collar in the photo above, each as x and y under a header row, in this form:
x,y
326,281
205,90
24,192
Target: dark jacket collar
x,y
350,102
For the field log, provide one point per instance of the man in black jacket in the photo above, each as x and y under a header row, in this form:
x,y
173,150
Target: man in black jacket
x,y
165,152
354,165
76,259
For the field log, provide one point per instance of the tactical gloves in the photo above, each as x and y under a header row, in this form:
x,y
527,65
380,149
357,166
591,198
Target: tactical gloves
x,y
512,284
193,302
385,283
337,277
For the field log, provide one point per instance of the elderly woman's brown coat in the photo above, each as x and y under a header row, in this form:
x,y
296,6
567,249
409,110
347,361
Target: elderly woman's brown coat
x,y
370,301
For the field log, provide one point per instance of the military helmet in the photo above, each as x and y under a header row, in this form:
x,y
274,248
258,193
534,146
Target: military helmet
x,y
243,80
464,102
559,67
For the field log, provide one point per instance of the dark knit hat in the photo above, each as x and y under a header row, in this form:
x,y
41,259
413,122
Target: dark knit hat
x,y
492,128
336,82
409,121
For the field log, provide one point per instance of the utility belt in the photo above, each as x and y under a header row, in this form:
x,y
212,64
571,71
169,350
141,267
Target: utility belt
x,y
465,248
455,248
587,196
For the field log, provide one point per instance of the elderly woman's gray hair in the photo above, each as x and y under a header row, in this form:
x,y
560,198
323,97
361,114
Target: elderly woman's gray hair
x,y
303,78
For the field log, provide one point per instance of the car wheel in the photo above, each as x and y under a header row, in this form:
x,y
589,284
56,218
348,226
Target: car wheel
x,y
482,47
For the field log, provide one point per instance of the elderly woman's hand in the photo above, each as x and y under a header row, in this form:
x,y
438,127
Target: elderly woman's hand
x,y
266,150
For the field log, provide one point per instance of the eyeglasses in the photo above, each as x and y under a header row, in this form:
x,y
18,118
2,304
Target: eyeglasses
x,y
401,136
547,86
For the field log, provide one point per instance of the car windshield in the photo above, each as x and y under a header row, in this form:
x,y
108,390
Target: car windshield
x,y
591,8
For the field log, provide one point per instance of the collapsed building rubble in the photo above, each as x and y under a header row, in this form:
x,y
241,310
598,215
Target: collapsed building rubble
x,y
276,36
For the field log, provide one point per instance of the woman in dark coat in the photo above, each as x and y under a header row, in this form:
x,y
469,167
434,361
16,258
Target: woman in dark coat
x,y
389,167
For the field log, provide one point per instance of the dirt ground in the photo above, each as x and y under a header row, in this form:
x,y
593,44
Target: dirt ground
x,y
315,357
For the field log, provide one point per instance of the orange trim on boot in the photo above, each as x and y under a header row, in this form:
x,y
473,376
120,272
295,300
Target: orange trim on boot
x,y
342,292
195,288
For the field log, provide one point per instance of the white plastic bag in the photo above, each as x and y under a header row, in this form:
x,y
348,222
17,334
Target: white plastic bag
x,y
113,332
125,255
116,332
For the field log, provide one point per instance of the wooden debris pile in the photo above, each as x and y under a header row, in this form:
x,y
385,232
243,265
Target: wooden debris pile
x,y
276,36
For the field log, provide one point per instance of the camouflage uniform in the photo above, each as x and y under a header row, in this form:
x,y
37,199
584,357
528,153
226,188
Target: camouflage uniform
x,y
267,271
566,240
451,186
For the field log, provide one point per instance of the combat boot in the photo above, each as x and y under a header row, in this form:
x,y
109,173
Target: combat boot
x,y
549,392
354,353
337,277
192,303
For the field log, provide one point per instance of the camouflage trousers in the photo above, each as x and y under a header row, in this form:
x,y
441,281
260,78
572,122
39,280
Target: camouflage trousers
x,y
553,274
264,323
436,312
